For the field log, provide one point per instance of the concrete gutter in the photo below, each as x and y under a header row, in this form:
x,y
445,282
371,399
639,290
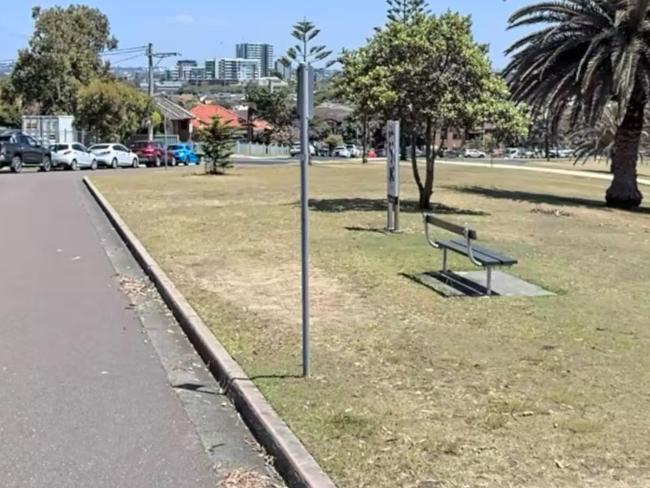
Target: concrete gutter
x,y
292,460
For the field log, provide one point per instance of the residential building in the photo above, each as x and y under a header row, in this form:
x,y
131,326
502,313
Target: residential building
x,y
205,112
184,68
260,52
211,66
283,71
236,69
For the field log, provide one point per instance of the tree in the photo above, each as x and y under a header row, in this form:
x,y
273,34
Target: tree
x,y
275,107
302,52
586,54
63,55
217,143
333,141
10,111
430,74
405,11
112,110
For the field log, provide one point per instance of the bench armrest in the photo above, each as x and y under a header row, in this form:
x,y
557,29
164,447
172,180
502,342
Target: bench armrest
x,y
432,243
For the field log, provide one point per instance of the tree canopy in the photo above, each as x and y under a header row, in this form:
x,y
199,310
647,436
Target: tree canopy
x,y
63,55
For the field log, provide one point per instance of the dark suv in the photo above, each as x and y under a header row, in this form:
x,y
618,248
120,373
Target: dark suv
x,y
151,153
18,150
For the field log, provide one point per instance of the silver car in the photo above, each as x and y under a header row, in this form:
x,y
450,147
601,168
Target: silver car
x,y
72,156
115,156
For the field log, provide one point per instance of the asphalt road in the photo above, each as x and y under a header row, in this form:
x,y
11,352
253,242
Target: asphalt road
x,y
85,399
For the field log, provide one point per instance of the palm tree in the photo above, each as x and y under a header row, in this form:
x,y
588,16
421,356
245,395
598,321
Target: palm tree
x,y
588,54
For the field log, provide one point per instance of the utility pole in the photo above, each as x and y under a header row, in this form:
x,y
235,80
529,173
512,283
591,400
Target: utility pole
x,y
150,57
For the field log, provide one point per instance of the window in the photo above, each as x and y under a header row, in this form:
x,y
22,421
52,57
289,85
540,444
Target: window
x,y
31,141
120,148
78,147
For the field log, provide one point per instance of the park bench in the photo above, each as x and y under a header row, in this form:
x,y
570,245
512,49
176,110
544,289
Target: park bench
x,y
479,255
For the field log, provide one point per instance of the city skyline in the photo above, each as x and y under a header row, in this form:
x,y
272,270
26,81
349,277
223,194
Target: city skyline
x,y
208,31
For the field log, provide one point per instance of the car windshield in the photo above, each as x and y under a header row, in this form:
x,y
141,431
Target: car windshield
x,y
5,138
175,148
139,145
60,147
99,147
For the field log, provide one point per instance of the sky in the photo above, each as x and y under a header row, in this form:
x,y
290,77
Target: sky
x,y
203,29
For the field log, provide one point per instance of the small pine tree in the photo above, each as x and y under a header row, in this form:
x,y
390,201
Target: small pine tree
x,y
217,142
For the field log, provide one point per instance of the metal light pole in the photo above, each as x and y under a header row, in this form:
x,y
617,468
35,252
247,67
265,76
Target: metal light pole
x,y
305,101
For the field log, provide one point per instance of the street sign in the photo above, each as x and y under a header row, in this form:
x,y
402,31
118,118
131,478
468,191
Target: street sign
x,y
306,74
393,157
393,154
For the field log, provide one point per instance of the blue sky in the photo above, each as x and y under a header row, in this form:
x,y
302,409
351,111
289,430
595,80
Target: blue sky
x,y
203,29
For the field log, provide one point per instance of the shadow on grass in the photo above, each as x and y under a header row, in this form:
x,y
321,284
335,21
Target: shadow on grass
x,y
531,197
340,205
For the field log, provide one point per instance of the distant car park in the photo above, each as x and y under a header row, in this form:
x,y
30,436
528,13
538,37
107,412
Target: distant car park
x,y
18,150
297,151
151,153
474,154
354,151
182,154
341,152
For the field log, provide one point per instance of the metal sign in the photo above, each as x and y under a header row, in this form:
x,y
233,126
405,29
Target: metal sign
x,y
306,74
393,154
393,157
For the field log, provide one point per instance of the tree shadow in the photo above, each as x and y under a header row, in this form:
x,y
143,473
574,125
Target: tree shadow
x,y
340,205
538,198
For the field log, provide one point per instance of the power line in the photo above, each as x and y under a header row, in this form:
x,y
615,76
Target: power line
x,y
115,63
127,50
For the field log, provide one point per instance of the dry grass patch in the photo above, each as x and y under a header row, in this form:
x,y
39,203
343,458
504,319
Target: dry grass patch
x,y
411,389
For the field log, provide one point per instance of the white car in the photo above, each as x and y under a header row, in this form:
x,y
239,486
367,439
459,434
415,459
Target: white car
x,y
115,156
297,151
475,154
72,156
341,152
354,151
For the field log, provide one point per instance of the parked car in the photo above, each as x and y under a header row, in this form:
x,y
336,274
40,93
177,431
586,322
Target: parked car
x,y
451,153
18,150
372,153
114,156
151,153
354,151
341,152
381,152
324,150
182,154
297,151
72,156
474,154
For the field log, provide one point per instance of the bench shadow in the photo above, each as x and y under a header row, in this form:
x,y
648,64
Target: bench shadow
x,y
340,205
538,198
461,286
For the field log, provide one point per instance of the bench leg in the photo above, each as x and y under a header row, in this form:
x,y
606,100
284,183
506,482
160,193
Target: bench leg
x,y
445,267
489,281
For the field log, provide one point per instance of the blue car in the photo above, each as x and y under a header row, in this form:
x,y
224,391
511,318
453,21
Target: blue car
x,y
182,154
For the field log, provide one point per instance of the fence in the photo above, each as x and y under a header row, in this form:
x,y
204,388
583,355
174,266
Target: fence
x,y
260,150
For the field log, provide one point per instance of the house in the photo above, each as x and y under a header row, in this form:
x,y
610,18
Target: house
x,y
180,120
205,112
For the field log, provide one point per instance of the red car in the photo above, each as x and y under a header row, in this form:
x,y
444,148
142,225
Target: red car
x,y
372,153
151,153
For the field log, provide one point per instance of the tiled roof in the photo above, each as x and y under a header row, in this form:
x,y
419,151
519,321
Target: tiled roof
x,y
171,110
205,112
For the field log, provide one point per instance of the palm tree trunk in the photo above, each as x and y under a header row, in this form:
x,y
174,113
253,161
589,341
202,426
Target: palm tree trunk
x,y
624,192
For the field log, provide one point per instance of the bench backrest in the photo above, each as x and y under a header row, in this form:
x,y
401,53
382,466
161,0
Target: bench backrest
x,y
451,227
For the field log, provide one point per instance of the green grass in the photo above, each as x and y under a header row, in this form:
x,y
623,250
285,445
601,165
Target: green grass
x,y
410,387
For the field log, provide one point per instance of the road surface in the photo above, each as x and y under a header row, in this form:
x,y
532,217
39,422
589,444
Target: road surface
x,y
86,399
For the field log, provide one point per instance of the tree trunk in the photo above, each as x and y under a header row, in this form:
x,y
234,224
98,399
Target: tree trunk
x,y
364,143
426,190
624,192
414,160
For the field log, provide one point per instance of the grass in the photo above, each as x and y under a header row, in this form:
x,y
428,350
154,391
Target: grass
x,y
411,389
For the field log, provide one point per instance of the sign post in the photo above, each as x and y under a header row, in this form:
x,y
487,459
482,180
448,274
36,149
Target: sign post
x,y
393,157
305,110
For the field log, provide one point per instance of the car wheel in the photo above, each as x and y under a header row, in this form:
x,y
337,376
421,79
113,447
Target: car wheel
x,y
16,164
173,161
135,164
158,162
93,165
74,166
46,165
114,163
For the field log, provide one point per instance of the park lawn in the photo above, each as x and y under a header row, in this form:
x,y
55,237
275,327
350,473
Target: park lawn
x,y
411,389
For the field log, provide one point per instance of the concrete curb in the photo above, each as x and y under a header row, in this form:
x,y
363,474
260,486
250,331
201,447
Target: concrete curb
x,y
292,460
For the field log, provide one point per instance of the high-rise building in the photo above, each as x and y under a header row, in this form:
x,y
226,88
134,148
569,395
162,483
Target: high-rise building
x,y
185,67
260,52
211,67
236,69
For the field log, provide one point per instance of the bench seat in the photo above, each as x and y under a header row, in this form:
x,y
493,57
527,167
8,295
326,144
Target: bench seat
x,y
484,255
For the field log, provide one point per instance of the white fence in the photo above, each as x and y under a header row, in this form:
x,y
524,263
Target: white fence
x,y
260,150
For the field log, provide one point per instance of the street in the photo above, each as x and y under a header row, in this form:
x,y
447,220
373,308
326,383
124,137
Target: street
x,y
86,401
